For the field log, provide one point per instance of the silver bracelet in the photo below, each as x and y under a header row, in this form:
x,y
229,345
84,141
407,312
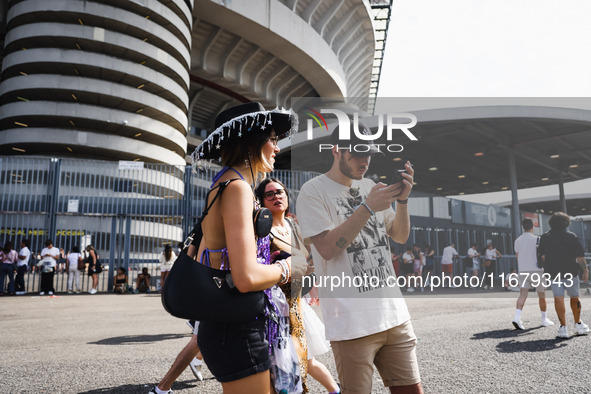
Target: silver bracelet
x,y
284,271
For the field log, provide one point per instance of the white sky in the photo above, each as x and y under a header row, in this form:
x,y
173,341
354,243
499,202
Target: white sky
x,y
489,48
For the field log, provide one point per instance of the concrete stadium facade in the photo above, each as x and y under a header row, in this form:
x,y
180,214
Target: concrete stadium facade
x,y
143,79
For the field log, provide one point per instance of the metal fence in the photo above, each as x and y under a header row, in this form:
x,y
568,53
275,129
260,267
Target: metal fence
x,y
127,212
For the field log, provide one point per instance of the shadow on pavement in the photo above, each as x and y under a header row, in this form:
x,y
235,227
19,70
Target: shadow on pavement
x,y
500,334
142,388
539,345
134,339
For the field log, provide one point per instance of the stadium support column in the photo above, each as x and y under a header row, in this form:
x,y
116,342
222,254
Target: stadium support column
x,y
514,199
561,193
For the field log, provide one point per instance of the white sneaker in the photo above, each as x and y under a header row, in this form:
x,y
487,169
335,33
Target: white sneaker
x,y
70,292
518,324
547,323
196,368
581,328
50,293
410,290
562,332
92,291
42,293
21,293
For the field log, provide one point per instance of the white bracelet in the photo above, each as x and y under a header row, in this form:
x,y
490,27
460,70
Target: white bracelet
x,y
285,272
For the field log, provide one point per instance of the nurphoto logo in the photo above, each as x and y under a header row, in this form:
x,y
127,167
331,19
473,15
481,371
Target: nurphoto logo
x,y
401,122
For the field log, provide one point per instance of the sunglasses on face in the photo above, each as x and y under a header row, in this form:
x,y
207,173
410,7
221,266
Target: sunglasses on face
x,y
270,196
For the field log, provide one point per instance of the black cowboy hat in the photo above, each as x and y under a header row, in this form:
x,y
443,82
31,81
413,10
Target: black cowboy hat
x,y
242,120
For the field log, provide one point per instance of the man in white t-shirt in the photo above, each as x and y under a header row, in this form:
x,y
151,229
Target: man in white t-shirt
x,y
530,275
49,257
447,263
369,324
22,266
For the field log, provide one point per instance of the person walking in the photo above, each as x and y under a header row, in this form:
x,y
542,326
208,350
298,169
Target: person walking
x,y
72,260
245,139
564,261
24,256
530,275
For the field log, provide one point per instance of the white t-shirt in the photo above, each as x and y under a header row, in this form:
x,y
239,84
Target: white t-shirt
x,y
73,260
24,252
167,265
407,257
448,253
525,246
491,254
351,312
472,253
49,262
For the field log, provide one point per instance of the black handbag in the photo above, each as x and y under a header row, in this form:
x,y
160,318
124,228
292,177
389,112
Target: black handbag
x,y
194,291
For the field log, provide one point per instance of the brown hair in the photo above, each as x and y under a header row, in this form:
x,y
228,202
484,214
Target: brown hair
x,y
260,191
238,150
559,221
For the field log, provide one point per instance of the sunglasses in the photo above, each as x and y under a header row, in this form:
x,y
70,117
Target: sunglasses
x,y
270,196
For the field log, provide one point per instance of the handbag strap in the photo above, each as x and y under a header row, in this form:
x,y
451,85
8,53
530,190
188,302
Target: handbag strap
x,y
197,228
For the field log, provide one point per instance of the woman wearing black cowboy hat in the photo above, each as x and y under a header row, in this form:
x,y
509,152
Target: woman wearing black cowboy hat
x,y
245,142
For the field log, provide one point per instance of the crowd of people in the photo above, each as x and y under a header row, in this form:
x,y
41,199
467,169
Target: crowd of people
x,y
75,264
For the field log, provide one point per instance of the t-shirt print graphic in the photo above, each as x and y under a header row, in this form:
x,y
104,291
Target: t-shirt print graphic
x,y
367,253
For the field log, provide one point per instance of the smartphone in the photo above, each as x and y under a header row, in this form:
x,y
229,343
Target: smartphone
x,y
396,177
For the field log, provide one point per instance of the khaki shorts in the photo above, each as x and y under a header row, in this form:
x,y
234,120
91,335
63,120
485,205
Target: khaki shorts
x,y
392,351
532,279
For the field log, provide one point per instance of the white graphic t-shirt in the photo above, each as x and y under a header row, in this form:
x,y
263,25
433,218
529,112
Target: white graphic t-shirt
x,y
351,311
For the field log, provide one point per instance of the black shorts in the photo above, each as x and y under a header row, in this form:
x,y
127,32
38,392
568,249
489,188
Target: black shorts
x,y
234,351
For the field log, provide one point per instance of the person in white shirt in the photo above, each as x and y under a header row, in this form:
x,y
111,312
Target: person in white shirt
x,y
22,266
167,259
447,263
491,254
475,256
368,325
49,257
72,260
530,275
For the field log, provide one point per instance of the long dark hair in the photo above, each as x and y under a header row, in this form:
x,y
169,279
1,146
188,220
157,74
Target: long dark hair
x,y
260,191
168,252
8,247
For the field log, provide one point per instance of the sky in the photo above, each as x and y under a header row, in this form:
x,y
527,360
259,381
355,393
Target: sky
x,y
489,48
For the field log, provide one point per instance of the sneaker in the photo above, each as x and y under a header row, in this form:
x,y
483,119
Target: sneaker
x,y
50,293
42,293
135,291
547,323
581,328
78,291
410,290
153,391
518,324
196,368
562,332
21,292
70,292
92,291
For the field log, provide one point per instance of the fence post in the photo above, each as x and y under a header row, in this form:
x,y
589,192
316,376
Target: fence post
x,y
53,187
188,201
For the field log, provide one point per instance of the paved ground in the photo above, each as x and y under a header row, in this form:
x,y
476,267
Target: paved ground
x,y
124,344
